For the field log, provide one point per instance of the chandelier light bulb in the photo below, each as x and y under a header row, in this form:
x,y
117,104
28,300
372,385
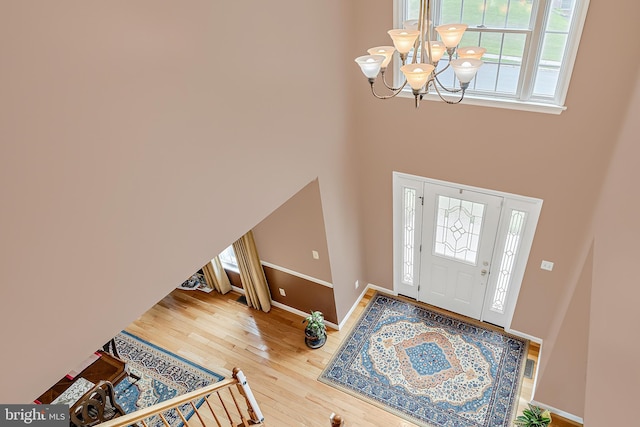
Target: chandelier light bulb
x,y
386,51
403,40
370,65
471,52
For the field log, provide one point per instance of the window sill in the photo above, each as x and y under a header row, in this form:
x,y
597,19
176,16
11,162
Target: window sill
x,y
509,104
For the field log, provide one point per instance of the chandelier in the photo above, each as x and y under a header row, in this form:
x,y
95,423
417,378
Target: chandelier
x,y
422,74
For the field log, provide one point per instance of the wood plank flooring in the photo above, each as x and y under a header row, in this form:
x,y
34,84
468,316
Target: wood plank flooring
x,y
220,333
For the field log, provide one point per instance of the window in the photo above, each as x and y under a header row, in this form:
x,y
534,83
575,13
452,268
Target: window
x,y
531,46
228,258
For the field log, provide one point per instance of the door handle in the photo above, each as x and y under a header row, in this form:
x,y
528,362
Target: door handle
x,y
483,272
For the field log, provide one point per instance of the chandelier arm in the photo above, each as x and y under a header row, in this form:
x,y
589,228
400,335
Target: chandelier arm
x,y
446,88
393,89
395,92
446,100
443,70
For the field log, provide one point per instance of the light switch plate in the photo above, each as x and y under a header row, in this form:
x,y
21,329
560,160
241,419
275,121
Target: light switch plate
x,y
282,292
315,254
546,265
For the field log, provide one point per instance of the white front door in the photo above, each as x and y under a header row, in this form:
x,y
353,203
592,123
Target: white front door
x,y
459,234
446,239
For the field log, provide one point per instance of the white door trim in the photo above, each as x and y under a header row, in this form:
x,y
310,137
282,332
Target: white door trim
x,y
531,205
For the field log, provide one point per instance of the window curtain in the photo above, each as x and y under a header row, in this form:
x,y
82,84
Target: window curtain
x,y
216,276
251,273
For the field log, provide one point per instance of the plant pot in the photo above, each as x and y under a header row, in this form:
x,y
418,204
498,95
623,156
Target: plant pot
x,y
314,341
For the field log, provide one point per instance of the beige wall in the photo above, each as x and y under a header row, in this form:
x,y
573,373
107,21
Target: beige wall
x,y
563,363
288,235
127,129
613,373
560,159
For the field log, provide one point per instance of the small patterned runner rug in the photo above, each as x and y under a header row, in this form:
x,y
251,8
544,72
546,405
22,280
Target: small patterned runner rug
x,y
429,368
163,375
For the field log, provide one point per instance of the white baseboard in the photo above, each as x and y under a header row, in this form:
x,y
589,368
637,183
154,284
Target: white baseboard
x,y
287,308
523,335
364,291
381,289
301,313
295,273
353,307
560,412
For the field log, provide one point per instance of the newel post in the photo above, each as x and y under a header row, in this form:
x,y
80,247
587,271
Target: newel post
x,y
252,405
336,420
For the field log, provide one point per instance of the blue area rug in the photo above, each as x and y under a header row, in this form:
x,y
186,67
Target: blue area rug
x,y
429,368
163,375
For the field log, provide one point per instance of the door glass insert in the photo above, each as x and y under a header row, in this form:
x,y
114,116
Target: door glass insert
x,y
408,229
458,227
511,246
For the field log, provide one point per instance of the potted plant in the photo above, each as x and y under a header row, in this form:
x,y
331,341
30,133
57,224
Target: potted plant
x,y
535,416
315,332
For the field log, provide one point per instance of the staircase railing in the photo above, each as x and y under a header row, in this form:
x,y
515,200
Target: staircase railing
x,y
213,405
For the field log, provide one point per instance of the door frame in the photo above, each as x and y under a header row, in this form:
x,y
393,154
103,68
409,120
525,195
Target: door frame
x,y
531,205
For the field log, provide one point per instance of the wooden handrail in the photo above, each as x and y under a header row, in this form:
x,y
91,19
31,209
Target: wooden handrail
x,y
255,417
238,380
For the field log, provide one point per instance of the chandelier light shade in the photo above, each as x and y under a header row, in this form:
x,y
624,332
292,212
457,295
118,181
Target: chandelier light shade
x,y
420,52
465,68
386,51
417,74
471,52
451,34
403,40
370,64
438,49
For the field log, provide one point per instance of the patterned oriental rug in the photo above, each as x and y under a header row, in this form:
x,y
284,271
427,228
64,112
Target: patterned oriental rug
x,y
429,368
163,375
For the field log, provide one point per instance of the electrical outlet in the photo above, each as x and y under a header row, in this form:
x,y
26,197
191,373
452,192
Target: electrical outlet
x,y
282,292
546,265
315,255
357,284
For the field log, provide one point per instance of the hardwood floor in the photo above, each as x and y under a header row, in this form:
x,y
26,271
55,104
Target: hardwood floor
x,y
220,333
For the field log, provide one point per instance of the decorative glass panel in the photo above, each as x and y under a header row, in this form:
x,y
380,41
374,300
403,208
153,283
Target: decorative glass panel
x,y
458,227
408,229
511,246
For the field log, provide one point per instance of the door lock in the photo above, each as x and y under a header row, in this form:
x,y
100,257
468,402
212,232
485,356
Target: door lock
x,y
483,272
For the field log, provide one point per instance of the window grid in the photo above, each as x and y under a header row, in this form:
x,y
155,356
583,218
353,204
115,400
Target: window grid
x,y
529,78
228,256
